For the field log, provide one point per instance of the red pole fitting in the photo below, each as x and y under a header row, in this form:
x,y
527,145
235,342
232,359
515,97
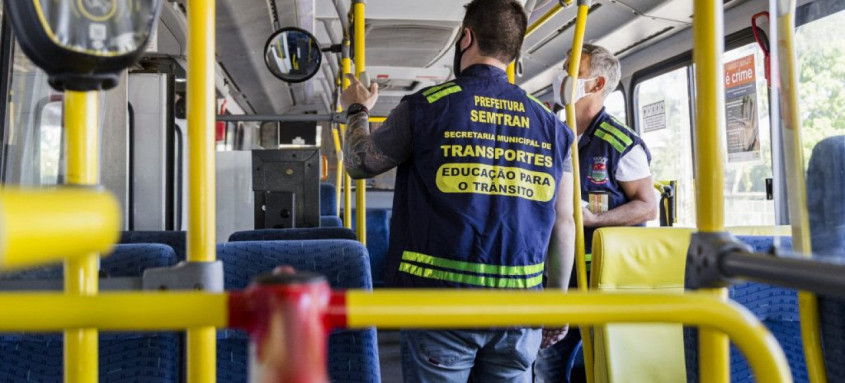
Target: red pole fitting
x,y
286,318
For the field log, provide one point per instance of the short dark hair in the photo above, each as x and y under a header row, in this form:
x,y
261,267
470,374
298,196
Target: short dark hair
x,y
498,26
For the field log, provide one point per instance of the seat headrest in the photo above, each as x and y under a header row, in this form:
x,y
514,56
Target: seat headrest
x,y
639,257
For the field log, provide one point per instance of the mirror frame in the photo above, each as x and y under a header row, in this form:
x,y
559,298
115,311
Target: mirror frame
x,y
292,29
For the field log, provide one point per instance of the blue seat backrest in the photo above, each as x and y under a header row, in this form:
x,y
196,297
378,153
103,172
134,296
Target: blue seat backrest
x,y
378,239
124,357
776,307
175,239
826,205
310,233
353,355
328,199
330,221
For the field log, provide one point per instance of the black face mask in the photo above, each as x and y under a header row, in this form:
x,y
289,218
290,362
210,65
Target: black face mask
x,y
456,66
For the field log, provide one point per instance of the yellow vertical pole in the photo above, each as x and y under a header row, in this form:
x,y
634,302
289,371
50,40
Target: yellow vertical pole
x,y
338,182
201,170
708,38
81,275
512,73
796,183
360,68
346,65
580,257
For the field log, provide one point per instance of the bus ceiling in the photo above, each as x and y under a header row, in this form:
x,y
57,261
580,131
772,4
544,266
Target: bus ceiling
x,y
409,44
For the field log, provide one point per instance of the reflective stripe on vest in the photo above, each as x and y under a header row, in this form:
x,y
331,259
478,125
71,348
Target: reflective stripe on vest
x,y
613,136
432,98
507,277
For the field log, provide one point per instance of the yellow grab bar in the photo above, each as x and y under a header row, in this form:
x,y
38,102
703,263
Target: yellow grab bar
x,y
81,273
555,9
473,309
339,173
414,309
202,104
796,183
151,311
41,226
580,256
708,38
511,72
360,34
346,64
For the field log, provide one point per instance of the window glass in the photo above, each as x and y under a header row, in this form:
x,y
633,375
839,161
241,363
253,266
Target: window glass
x,y
820,46
50,143
33,136
615,105
35,147
663,118
747,139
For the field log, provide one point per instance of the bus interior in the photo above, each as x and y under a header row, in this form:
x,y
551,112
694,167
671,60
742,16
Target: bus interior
x,y
276,164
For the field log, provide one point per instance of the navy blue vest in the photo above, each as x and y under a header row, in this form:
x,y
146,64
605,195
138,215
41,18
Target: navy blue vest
x,y
474,204
599,151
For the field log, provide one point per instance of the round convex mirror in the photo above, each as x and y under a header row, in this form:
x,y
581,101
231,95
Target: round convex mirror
x,y
293,55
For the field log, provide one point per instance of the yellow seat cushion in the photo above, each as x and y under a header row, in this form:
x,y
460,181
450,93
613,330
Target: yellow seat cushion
x,y
638,259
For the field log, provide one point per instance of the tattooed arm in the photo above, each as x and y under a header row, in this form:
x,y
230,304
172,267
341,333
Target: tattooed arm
x,y
367,155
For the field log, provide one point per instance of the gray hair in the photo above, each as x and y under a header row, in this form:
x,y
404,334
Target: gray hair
x,y
604,64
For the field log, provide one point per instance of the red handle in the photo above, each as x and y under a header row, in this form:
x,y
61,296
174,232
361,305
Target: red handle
x,y
763,42
285,316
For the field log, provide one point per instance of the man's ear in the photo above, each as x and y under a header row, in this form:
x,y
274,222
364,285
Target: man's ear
x,y
466,39
598,87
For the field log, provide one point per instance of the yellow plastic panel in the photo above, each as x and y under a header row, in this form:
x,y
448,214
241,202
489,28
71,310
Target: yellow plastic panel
x,y
639,257
636,259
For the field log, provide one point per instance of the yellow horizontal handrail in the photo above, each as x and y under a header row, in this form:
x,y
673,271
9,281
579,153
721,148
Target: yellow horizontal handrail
x,y
451,309
43,226
555,9
150,311
413,309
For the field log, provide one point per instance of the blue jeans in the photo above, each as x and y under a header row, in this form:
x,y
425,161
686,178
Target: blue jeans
x,y
457,356
554,364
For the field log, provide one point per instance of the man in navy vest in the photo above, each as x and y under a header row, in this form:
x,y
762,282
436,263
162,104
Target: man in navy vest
x,y
482,194
616,184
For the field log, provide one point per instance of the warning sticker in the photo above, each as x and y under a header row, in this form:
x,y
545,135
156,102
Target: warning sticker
x,y
496,180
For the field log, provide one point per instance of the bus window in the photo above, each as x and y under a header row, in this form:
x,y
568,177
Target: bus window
x,y
615,104
747,139
820,48
50,143
33,150
663,120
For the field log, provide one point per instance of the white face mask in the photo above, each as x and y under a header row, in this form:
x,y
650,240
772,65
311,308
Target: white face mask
x,y
580,90
556,87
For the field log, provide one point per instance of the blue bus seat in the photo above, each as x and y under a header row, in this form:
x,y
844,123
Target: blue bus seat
x,y
378,236
330,221
826,205
776,307
313,233
353,355
175,239
137,357
328,200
